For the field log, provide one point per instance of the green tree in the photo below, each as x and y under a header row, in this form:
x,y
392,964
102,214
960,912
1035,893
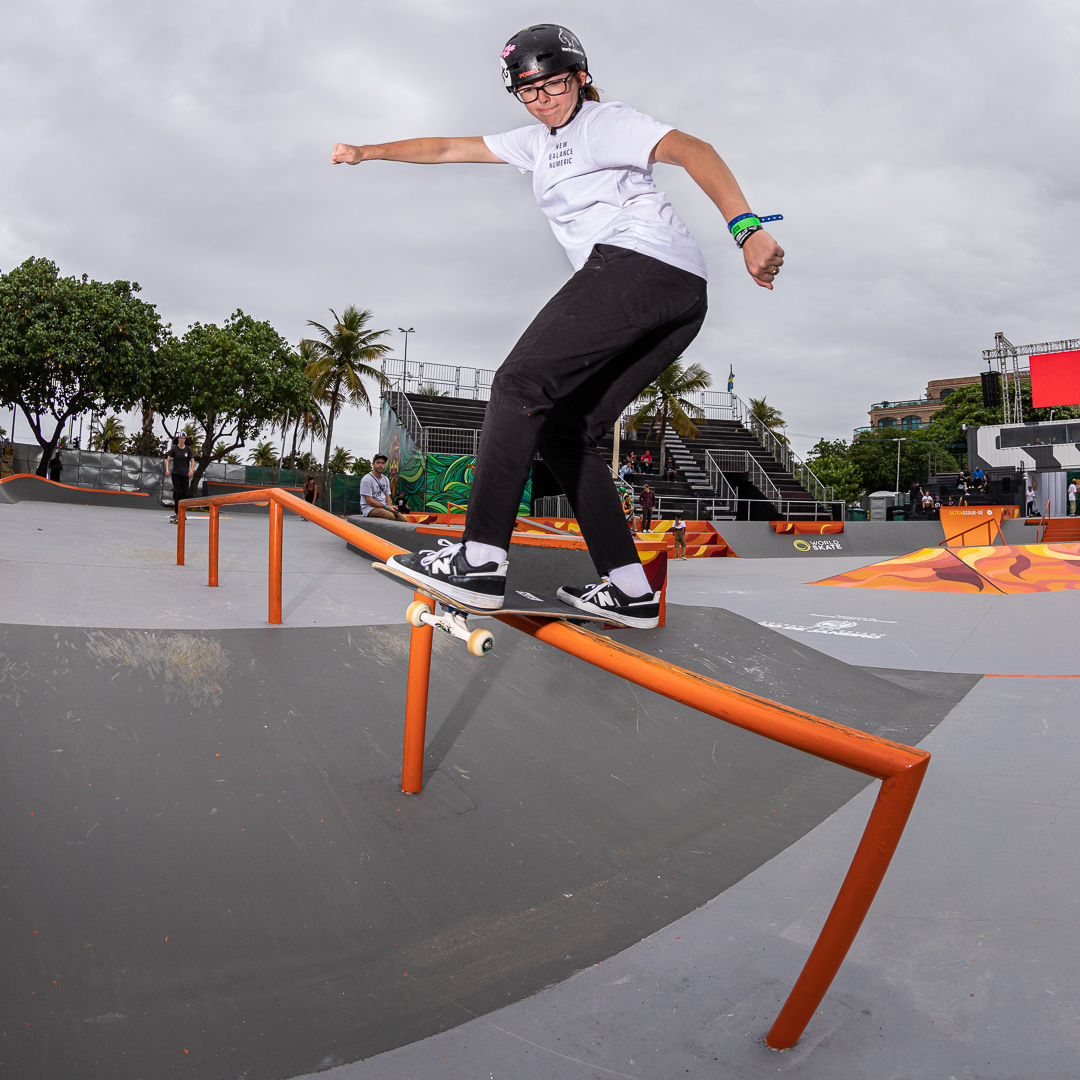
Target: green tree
x,y
431,391
340,460
360,466
769,417
665,401
875,455
108,435
194,437
264,455
138,444
233,380
72,345
342,360
841,475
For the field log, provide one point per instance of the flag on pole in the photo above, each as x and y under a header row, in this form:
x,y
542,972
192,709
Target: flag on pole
x,y
731,379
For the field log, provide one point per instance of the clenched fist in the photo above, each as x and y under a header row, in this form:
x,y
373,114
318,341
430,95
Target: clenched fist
x,y
344,154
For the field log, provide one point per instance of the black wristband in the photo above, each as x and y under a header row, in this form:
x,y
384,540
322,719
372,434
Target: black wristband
x,y
745,235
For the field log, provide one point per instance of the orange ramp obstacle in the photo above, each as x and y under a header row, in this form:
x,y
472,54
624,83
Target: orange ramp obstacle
x,y
1022,568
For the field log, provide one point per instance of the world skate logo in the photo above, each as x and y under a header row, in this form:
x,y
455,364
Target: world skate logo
x,y
569,42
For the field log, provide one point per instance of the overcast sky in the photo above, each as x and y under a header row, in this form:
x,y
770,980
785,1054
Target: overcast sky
x,y
925,156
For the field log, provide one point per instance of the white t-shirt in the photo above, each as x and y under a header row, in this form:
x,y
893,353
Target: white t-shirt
x,y
377,488
593,180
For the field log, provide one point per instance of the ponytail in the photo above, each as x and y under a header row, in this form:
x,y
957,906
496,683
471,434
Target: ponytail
x,y
590,93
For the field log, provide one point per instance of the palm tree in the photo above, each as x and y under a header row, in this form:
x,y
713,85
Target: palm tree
x,y
430,390
263,455
194,437
340,460
666,401
310,423
342,360
768,417
108,435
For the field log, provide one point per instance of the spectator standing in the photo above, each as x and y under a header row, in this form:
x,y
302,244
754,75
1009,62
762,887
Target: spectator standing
x,y
678,533
648,502
375,493
56,468
1072,498
1030,501
180,467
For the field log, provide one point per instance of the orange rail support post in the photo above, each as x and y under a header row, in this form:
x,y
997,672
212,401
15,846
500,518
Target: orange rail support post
x,y
215,513
274,576
181,519
900,767
416,700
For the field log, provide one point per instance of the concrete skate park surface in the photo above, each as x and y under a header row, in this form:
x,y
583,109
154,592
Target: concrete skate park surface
x,y
282,908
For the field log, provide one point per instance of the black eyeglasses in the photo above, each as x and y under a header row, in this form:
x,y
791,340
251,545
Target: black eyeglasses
x,y
553,88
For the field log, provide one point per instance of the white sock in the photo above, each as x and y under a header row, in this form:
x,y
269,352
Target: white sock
x,y
630,579
478,554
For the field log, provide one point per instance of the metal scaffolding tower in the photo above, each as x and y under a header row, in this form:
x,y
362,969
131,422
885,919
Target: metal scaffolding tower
x,y
1007,356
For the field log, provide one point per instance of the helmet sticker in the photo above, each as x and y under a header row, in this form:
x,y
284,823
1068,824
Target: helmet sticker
x,y
505,72
569,42
508,50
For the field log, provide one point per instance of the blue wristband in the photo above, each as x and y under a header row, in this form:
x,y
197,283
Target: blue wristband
x,y
735,221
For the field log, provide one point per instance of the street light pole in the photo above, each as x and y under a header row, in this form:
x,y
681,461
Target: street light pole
x,y
898,442
406,333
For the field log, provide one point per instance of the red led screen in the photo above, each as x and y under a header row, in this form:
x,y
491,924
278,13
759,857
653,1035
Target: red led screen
x,y
1055,379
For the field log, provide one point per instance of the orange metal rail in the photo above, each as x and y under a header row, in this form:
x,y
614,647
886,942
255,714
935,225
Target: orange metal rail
x,y
900,768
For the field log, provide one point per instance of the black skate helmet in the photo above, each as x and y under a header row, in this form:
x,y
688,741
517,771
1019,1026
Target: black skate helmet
x,y
540,50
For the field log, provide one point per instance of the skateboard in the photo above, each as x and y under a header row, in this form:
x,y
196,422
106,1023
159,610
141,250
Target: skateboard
x,y
455,614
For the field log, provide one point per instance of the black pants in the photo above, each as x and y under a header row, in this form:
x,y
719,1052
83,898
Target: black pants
x,y
606,335
180,488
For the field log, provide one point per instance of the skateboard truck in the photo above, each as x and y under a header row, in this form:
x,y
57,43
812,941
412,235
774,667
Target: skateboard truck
x,y
452,622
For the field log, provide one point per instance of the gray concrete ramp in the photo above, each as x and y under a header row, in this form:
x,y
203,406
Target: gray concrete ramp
x,y
24,488
209,869
887,539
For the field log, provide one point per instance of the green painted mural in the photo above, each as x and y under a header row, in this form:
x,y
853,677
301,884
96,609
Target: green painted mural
x,y
438,483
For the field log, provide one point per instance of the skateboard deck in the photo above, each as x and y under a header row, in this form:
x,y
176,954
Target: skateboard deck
x,y
517,601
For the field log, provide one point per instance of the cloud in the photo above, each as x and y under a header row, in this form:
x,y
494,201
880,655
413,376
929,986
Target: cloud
x,y
924,156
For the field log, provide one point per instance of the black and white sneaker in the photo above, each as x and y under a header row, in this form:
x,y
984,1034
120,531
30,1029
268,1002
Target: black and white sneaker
x,y
448,571
607,599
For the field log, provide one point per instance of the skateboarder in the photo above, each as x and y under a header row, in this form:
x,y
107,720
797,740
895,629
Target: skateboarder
x,y
634,304
179,467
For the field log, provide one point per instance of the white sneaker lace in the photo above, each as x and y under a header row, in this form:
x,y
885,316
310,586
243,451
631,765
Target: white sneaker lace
x,y
447,549
592,590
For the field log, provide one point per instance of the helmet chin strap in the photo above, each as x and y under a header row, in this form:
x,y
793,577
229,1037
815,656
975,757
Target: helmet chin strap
x,y
577,109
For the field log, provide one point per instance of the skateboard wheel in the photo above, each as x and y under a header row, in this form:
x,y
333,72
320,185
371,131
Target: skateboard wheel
x,y
480,642
415,610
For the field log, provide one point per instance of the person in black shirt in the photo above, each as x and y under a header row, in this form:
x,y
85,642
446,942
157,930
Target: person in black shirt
x,y
180,465
56,468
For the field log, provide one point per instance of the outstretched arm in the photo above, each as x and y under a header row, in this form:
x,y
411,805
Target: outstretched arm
x,y
762,253
418,151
